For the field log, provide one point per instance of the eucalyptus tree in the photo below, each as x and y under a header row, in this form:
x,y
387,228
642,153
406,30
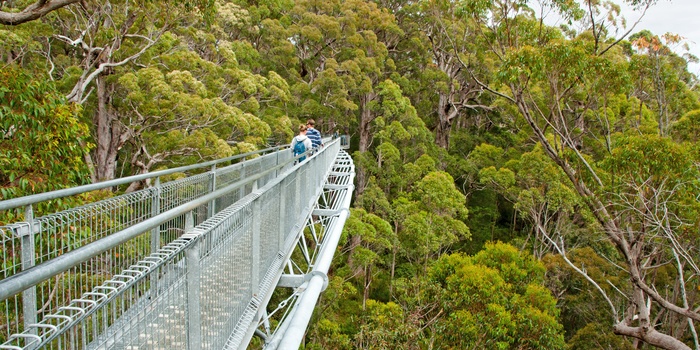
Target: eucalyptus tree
x,y
430,219
375,238
401,138
662,81
637,188
437,35
317,31
539,192
362,59
15,13
108,37
495,300
86,47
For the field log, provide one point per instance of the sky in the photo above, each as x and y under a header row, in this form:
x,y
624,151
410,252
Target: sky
x,y
676,16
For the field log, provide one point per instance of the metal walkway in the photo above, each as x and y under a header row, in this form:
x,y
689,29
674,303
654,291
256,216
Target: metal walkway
x,y
219,255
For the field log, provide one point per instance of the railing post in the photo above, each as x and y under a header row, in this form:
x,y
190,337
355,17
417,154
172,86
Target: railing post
x,y
194,321
255,248
277,162
189,221
297,192
28,254
211,208
241,192
155,210
155,232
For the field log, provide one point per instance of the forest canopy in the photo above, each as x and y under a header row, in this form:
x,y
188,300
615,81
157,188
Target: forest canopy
x,y
519,186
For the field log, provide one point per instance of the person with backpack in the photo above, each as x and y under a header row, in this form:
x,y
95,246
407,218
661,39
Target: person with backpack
x,y
314,134
301,144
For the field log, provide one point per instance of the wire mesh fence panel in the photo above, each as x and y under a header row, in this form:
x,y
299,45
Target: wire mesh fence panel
x,y
269,228
11,254
226,284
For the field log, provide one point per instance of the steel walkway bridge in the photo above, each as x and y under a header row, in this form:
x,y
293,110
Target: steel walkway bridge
x,y
228,254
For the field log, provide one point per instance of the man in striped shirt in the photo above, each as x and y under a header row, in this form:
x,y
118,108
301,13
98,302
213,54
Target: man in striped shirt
x,y
313,134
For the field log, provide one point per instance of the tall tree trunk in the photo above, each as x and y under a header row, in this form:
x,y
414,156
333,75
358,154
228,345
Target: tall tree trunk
x,y
109,136
446,114
366,118
368,281
442,134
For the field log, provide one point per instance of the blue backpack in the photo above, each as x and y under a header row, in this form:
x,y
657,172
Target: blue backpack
x,y
299,148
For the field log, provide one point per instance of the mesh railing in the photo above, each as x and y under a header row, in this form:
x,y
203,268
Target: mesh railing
x,y
40,240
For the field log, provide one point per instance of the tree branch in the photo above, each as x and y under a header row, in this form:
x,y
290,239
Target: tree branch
x,y
33,11
581,272
650,336
79,89
628,32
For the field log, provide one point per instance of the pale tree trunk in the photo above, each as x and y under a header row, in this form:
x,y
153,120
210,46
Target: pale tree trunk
x,y
368,281
650,336
461,90
644,330
450,105
366,118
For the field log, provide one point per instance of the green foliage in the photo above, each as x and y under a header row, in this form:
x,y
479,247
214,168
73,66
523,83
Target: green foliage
x,y
387,72
518,269
374,200
580,307
333,328
42,142
384,326
494,301
687,128
432,219
594,336
655,166
375,233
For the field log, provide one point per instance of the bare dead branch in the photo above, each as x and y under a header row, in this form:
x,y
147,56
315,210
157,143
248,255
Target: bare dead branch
x,y
595,284
628,32
79,89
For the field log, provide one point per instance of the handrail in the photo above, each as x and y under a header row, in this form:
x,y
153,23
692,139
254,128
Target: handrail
x,y
40,197
39,273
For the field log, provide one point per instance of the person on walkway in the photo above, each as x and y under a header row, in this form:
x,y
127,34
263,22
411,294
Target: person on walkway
x,y
313,134
301,143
